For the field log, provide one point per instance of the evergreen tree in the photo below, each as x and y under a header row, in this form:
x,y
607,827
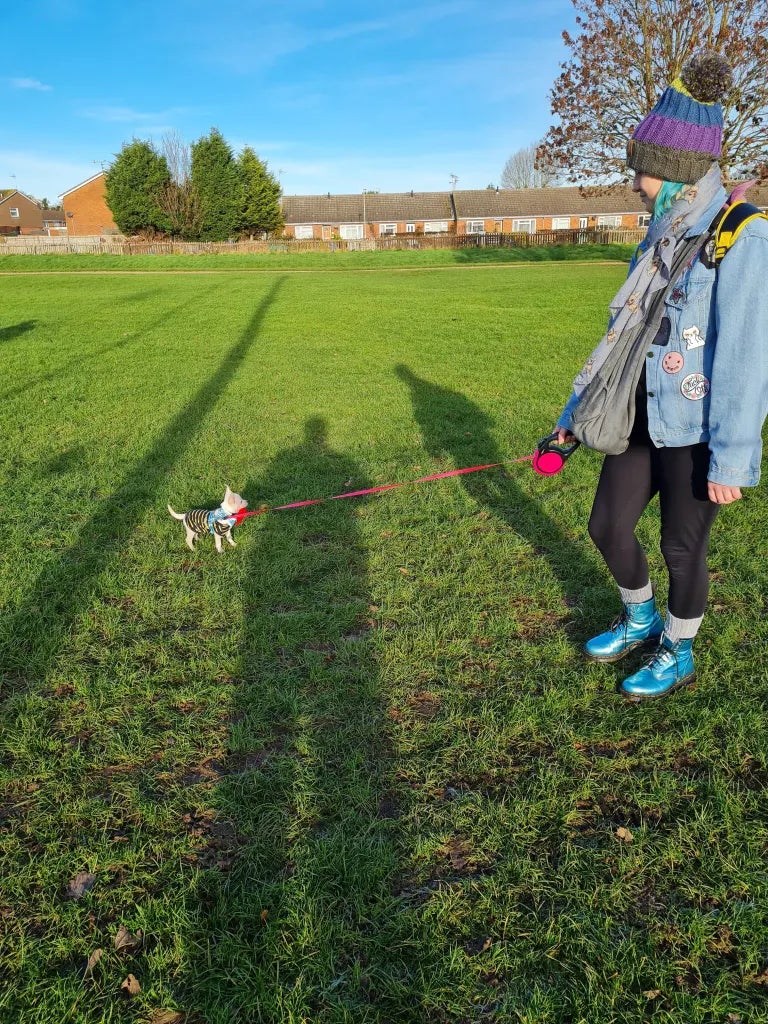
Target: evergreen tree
x,y
216,179
261,211
132,185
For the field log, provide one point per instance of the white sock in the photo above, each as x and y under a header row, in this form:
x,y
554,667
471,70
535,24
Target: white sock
x,y
636,596
680,629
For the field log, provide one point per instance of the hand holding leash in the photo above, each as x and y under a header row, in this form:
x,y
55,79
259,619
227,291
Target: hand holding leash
x,y
553,451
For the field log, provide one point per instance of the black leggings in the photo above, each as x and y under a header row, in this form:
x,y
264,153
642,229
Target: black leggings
x,y
627,484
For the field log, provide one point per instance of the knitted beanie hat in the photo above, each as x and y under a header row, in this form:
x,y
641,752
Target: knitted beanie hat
x,y
682,136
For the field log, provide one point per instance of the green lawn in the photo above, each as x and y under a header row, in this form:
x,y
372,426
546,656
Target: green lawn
x,y
331,261
354,770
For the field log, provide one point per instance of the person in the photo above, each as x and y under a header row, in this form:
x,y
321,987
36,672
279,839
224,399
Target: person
x,y
693,432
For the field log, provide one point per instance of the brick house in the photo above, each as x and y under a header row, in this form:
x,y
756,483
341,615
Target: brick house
x,y
19,213
547,209
54,221
86,210
368,215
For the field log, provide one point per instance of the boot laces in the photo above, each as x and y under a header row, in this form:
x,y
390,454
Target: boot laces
x,y
662,657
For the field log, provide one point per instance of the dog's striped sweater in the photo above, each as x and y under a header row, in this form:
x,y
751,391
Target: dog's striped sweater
x,y
202,521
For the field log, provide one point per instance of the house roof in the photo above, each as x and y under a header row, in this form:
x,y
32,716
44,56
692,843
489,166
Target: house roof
x,y
380,207
87,181
6,193
546,202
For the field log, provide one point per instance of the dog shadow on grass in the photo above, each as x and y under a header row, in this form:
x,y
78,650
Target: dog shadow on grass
x,y
453,426
301,792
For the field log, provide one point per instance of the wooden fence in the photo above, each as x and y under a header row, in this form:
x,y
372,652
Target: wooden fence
x,y
37,245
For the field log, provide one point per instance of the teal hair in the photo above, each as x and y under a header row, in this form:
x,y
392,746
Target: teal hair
x,y
667,194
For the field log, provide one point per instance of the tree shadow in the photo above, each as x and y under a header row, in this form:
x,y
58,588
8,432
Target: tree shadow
x,y
103,350
31,631
16,330
454,426
300,792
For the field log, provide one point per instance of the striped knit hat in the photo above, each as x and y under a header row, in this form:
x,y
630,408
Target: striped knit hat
x,y
682,136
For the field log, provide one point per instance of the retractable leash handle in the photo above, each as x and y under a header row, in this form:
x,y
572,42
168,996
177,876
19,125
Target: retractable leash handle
x,y
550,457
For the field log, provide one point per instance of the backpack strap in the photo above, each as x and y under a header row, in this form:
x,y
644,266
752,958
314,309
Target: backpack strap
x,y
730,225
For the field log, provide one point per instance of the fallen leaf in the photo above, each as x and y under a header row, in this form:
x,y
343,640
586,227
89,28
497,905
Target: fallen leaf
x,y
734,1018
131,986
624,835
93,959
127,942
80,885
263,916
652,993
167,1017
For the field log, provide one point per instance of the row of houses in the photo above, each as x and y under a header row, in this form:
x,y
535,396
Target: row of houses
x,y
371,215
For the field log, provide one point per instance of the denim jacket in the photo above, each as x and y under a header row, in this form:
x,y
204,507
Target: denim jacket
x,y
707,380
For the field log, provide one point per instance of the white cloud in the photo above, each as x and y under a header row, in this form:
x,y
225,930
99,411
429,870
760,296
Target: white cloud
x,y
30,83
127,115
253,50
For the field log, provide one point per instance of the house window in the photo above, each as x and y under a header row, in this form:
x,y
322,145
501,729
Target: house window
x,y
435,226
561,223
583,222
14,211
475,227
643,220
351,231
609,221
388,229
410,228
524,225
302,231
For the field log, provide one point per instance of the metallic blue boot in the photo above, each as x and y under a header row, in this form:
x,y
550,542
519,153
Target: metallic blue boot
x,y
637,624
668,669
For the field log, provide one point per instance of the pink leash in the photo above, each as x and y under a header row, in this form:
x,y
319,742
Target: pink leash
x,y
548,459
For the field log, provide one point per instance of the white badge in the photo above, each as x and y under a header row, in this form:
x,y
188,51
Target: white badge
x,y
693,338
695,386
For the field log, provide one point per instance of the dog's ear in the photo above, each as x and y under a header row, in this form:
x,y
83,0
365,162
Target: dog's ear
x,y
227,493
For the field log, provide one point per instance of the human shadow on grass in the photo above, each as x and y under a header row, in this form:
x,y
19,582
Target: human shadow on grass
x,y
453,426
31,631
17,330
297,857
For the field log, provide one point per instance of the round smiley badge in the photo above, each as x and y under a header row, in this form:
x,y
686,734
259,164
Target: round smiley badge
x,y
695,386
672,362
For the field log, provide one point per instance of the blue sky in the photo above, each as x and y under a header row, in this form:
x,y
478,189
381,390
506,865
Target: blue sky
x,y
335,96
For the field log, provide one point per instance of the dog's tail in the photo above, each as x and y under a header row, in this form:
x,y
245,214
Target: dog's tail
x,y
175,514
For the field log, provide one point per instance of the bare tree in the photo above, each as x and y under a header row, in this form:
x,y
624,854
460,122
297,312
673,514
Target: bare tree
x,y
627,51
525,169
178,198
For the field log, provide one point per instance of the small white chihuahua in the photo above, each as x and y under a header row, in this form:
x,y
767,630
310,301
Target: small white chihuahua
x,y
218,521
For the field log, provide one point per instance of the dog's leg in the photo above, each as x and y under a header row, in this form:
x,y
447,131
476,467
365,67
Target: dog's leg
x,y
217,538
231,539
191,539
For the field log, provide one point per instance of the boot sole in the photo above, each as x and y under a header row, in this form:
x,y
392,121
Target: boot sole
x,y
687,682
651,641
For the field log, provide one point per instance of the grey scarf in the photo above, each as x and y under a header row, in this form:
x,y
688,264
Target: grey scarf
x,y
606,385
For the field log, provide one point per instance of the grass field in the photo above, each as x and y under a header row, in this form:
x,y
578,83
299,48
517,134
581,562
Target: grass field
x,y
354,770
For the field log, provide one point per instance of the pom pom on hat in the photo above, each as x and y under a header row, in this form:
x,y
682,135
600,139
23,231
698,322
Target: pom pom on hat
x,y
707,77
682,136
